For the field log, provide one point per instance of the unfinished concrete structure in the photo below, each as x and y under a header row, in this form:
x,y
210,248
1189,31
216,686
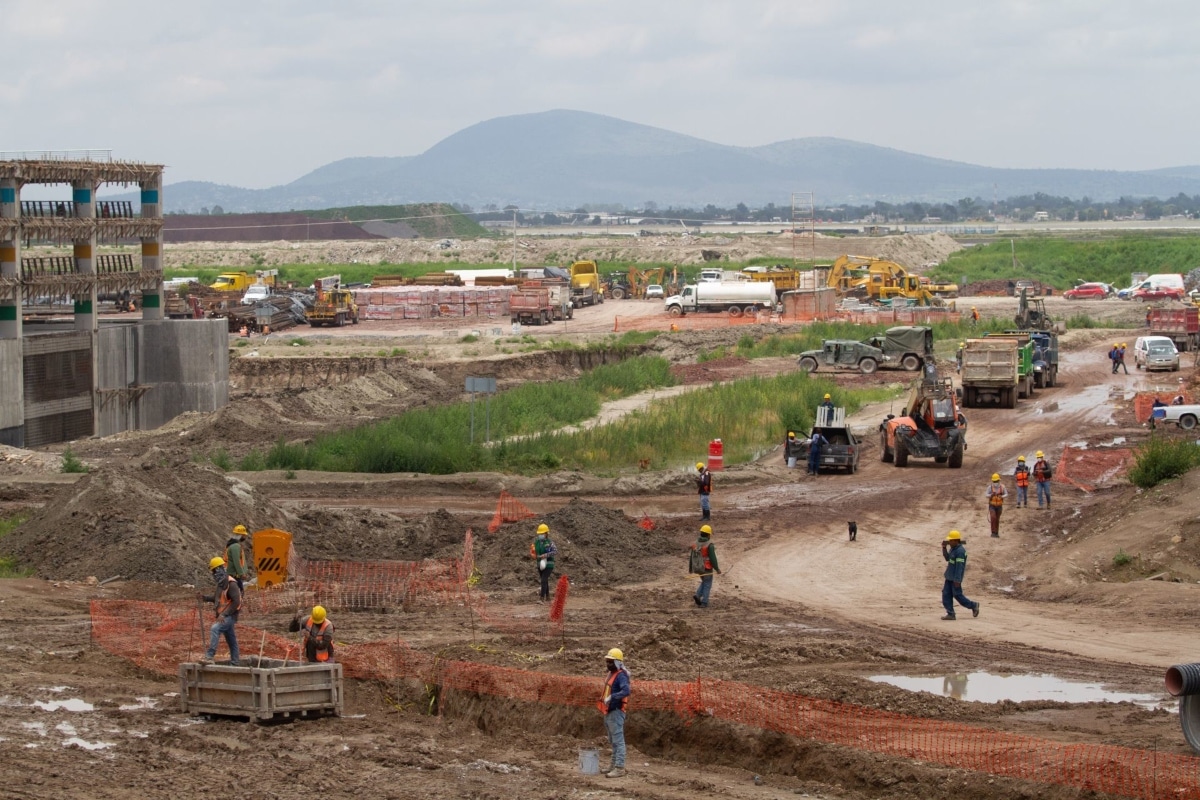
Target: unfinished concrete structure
x,y
66,378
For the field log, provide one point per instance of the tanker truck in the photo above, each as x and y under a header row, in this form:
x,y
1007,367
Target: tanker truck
x,y
734,297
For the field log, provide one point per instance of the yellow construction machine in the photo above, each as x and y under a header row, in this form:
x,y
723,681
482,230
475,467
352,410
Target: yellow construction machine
x,y
639,279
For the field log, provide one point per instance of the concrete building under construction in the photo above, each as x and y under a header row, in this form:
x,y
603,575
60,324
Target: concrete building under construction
x,y
73,375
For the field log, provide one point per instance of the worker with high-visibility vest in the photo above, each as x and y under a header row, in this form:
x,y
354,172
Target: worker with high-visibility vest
x,y
613,705
995,497
318,635
227,602
1021,476
956,568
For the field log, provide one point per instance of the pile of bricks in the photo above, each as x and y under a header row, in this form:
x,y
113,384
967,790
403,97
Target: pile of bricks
x,y
431,302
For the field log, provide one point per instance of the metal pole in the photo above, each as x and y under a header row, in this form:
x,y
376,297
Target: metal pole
x,y
487,415
514,241
472,418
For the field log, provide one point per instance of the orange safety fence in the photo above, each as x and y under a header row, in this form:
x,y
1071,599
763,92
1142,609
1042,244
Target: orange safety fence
x,y
1088,467
158,638
508,509
1143,402
714,320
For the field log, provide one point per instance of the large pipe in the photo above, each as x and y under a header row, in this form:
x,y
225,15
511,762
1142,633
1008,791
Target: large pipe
x,y
1183,679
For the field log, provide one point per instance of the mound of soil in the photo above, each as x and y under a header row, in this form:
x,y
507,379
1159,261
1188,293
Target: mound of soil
x,y
368,535
153,521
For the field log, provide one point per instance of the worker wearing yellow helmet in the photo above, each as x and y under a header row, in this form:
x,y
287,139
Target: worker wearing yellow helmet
x,y
1121,358
974,316
703,562
793,448
318,635
704,487
955,555
613,704
1021,477
1041,476
235,556
543,551
996,493
227,602
827,401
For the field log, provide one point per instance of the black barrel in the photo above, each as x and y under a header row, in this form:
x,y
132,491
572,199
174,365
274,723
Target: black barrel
x,y
1183,679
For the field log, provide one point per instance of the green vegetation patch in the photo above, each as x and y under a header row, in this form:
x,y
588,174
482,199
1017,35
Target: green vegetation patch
x,y
8,565
431,220
1161,459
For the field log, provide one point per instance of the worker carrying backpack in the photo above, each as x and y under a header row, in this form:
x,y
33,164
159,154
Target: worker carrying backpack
x,y
696,562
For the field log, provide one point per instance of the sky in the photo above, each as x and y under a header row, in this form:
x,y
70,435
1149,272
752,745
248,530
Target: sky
x,y
257,93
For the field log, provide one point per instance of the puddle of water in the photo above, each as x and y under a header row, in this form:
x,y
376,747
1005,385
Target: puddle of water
x,y
86,745
142,704
987,687
74,704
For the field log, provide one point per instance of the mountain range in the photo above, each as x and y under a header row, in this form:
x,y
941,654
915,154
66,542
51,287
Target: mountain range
x,y
559,160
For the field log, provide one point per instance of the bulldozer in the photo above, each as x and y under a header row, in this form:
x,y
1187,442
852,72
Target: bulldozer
x,y
930,425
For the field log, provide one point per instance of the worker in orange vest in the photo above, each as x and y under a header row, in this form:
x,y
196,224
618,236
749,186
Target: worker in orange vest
x,y
1042,474
1021,474
318,635
995,497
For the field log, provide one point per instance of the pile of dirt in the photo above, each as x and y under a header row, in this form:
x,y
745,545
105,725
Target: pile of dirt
x,y
150,521
597,546
1001,287
368,535
709,371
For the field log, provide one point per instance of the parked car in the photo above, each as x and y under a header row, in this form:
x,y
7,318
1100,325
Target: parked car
x,y
1087,291
255,293
654,291
1157,293
1185,416
1155,352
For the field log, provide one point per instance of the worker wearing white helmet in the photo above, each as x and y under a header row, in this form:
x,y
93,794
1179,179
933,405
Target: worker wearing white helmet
x,y
613,705
704,487
543,551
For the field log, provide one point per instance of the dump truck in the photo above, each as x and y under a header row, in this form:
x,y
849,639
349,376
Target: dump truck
x,y
1180,325
842,450
1025,361
232,282
1044,356
530,305
990,372
585,284
929,426
906,346
735,297
334,305
844,354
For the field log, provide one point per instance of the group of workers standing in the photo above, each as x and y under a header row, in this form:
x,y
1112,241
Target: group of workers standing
x,y
996,492
1116,355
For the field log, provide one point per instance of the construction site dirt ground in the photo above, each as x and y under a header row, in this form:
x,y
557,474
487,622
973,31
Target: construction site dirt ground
x,y
799,608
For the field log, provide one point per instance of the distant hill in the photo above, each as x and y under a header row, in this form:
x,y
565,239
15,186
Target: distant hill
x,y
558,160
429,220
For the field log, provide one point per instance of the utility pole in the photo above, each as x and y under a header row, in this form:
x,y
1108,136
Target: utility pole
x,y
514,242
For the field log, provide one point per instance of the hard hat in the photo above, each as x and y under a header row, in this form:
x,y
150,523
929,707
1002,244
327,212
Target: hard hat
x,y
962,344
827,397
543,528
1116,345
706,529
615,655
953,536
1039,454
1122,344
791,434
995,476
318,614
972,308
699,465
1020,458
216,561
240,530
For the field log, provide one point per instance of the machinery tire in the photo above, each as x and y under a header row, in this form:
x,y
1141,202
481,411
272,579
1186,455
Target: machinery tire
x,y
808,364
1012,397
618,293
1053,376
735,312
1187,422
867,366
901,453
955,460
911,363
1139,299
675,311
885,455
354,320
853,468
601,299
341,320
750,311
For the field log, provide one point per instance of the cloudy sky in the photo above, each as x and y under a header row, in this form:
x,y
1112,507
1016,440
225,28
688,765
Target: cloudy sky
x,y
256,93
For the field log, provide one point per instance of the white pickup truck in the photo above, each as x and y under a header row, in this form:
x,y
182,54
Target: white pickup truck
x,y
1185,416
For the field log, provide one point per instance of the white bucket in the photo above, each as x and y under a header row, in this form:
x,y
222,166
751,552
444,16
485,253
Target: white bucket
x,y
589,761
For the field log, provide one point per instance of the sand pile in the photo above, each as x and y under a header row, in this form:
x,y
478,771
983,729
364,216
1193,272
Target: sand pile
x,y
151,521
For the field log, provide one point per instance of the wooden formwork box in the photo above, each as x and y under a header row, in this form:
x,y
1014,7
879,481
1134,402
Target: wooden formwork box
x,y
267,692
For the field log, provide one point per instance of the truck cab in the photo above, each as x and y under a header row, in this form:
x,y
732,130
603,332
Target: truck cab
x,y
842,450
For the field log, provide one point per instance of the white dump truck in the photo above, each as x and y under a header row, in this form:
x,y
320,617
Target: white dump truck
x,y
735,297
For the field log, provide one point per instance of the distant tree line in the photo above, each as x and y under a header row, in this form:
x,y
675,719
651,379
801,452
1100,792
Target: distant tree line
x,y
967,210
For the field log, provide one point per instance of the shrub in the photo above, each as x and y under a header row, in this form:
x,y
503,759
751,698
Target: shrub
x,y
71,462
221,460
1161,459
470,338
1121,558
8,566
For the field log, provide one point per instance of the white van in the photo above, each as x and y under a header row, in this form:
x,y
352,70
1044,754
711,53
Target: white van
x,y
1155,352
1166,280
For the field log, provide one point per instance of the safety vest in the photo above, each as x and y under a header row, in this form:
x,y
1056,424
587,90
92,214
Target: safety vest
x,y
1041,471
996,495
225,606
608,684
321,646
241,559
704,552
1022,476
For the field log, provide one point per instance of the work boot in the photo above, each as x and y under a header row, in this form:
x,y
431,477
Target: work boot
x,y
975,610
948,616
696,600
616,772
205,660
995,536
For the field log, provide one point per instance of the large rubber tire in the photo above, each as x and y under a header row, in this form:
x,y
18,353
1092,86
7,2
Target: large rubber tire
x,y
1012,397
618,293
1053,375
911,363
1187,422
808,364
1139,299
341,320
354,320
885,455
955,460
735,312
867,366
968,397
901,453
675,311
853,468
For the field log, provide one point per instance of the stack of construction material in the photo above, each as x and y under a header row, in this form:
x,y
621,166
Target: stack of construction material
x,y
431,302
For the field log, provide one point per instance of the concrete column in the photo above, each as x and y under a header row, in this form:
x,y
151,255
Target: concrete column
x,y
152,299
10,259
84,195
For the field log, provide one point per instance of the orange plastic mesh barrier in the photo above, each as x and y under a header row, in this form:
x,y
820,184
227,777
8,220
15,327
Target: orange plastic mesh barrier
x,y
1087,468
560,599
691,322
158,638
508,509
1143,402
646,523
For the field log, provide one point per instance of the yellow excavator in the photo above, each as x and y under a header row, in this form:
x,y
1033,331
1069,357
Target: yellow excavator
x,y
878,279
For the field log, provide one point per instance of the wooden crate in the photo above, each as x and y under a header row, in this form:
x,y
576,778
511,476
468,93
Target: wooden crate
x,y
266,692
